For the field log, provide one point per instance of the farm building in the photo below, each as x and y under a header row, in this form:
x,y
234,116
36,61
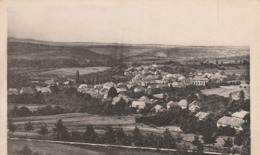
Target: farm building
x,y
232,122
240,114
13,91
26,90
201,115
170,104
145,99
138,104
121,90
199,81
159,108
117,100
158,96
194,106
183,103
108,85
43,89
126,98
139,89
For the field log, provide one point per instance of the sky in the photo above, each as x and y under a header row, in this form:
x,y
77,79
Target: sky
x,y
179,22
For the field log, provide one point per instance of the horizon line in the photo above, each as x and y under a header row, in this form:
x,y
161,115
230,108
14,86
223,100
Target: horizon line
x,y
131,44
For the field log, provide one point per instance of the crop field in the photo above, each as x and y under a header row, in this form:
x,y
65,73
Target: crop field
x,y
226,90
72,71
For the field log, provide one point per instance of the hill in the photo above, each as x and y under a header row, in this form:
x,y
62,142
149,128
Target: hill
x,y
103,54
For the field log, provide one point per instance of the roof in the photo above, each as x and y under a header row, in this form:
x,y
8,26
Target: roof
x,y
160,96
157,107
83,86
138,89
183,103
26,90
171,103
234,122
201,115
116,100
138,104
199,78
240,114
43,89
144,99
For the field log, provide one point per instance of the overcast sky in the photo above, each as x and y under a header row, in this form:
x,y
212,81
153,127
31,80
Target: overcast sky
x,y
181,22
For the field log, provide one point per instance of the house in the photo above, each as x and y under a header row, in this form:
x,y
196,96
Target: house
x,y
158,96
187,81
145,99
232,122
121,90
126,98
181,78
183,103
194,106
121,85
139,89
240,114
98,86
13,91
138,104
66,83
117,100
244,85
82,87
201,115
50,82
108,85
199,81
175,84
26,90
43,89
170,104
158,108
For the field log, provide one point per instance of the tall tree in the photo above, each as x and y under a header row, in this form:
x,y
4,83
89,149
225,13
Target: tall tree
x,y
209,138
77,76
29,126
137,137
109,135
121,137
241,95
43,129
90,135
112,92
168,140
61,131
228,143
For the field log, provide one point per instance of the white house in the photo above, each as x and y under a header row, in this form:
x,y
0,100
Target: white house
x,y
138,104
232,122
201,115
158,108
194,106
183,103
240,114
13,91
199,81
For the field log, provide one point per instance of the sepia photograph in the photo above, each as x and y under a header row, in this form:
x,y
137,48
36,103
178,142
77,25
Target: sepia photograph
x,y
129,78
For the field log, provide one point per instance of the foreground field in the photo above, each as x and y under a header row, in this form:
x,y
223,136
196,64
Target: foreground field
x,y
72,71
78,122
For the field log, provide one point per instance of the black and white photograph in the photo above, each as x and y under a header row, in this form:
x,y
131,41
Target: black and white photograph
x,y
129,78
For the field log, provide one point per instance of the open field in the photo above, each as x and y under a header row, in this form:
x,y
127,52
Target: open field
x,y
78,122
49,148
72,71
226,90
31,107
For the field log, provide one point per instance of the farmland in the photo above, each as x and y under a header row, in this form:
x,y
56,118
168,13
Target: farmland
x,y
78,122
226,90
72,71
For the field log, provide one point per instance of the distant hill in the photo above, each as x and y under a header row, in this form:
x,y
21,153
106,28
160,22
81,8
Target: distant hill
x,y
30,49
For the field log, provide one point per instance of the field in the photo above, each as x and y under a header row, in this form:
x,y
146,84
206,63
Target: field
x,y
78,122
31,107
72,71
226,90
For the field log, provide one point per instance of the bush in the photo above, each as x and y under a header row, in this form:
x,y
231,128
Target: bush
x,y
28,126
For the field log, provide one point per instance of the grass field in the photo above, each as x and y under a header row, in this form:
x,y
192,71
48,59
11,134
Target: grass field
x,y
72,71
78,122
226,90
